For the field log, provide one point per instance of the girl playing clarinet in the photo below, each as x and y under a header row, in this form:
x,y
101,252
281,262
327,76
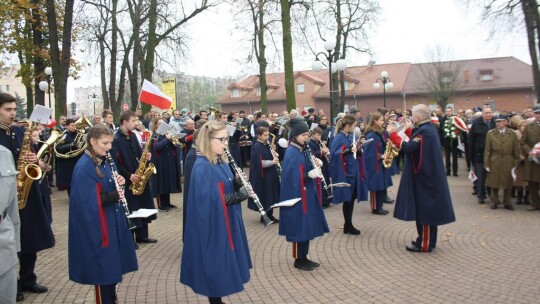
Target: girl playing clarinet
x,y
101,248
215,258
305,220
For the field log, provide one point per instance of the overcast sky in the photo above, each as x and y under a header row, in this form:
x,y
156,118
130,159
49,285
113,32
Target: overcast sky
x,y
405,30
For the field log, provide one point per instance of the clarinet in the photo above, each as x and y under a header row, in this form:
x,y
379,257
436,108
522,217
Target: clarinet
x,y
279,170
314,164
123,201
245,183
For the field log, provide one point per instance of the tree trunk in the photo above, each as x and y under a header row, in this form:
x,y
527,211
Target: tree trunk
x,y
38,61
113,55
287,54
262,59
532,24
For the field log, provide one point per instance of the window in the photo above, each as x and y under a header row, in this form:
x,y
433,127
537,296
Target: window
x,y
347,85
486,77
7,87
300,88
235,93
258,91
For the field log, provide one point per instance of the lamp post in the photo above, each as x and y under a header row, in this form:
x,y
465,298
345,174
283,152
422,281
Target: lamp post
x,y
45,85
94,97
386,82
339,65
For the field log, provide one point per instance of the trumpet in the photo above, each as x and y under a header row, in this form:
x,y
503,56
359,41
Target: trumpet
x,y
327,188
247,184
123,201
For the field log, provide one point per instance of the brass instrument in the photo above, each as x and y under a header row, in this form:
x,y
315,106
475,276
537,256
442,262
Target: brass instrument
x,y
45,153
79,143
123,201
215,112
175,141
247,184
390,152
28,173
143,171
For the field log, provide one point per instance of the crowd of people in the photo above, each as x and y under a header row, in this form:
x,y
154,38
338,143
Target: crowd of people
x,y
299,160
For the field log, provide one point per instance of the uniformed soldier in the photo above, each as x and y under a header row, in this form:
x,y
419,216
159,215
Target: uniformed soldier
x,y
501,154
531,172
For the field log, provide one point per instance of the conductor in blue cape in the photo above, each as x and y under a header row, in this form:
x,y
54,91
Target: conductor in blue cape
x,y
305,220
423,194
215,258
100,246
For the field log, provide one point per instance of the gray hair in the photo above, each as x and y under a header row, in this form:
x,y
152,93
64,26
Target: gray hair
x,y
421,111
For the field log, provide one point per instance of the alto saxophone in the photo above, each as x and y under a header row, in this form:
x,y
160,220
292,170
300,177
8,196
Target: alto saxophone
x,y
143,171
28,173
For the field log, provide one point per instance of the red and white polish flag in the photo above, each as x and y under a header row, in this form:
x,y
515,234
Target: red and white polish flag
x,y
151,95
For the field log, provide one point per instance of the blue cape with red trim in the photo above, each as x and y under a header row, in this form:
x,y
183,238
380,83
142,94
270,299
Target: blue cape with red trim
x,y
378,177
263,180
100,246
215,257
305,220
344,168
423,193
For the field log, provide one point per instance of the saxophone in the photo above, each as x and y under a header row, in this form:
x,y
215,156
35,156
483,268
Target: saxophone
x,y
143,171
389,154
28,173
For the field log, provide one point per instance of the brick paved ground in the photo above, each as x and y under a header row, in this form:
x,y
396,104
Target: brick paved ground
x,y
487,256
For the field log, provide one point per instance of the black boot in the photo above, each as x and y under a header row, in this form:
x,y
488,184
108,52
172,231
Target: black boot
x,y
526,197
302,264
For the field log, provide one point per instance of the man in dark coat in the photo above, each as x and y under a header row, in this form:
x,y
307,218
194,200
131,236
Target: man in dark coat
x,y
450,144
126,153
423,194
65,165
477,142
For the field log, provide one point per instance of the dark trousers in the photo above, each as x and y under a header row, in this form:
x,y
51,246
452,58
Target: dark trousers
x,y
427,237
27,262
348,208
451,150
376,199
105,294
300,249
246,154
481,181
164,200
141,232
533,190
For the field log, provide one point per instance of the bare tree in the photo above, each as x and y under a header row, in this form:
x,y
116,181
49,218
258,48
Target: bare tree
x,y
506,16
440,77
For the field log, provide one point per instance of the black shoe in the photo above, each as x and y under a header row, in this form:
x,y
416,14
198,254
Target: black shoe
x,y
494,206
351,230
380,212
163,209
481,201
146,240
136,246
415,248
414,244
20,296
509,207
388,200
302,265
36,288
447,173
325,206
311,263
455,174
474,193
273,219
171,206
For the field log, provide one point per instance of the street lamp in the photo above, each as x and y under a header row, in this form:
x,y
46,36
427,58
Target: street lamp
x,y
45,85
386,82
94,97
340,65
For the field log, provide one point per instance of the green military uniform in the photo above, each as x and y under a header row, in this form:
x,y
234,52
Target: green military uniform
x,y
501,154
531,170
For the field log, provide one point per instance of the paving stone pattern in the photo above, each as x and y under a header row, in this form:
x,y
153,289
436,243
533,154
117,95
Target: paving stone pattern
x,y
487,256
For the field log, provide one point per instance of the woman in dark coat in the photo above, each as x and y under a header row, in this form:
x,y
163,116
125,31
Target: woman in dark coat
x,y
167,161
263,173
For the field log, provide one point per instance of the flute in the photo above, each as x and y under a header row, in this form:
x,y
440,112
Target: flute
x,y
314,164
123,200
245,183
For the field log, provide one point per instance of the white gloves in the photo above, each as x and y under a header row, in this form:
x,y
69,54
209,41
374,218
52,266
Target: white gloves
x,y
315,173
318,162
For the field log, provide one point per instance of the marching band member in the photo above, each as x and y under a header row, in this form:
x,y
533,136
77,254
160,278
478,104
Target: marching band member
x,y
305,220
234,141
108,117
215,258
322,153
423,194
100,246
188,139
263,174
166,155
379,178
65,166
126,153
345,168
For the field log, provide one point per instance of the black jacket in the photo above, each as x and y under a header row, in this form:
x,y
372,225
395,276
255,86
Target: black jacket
x,y
477,139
